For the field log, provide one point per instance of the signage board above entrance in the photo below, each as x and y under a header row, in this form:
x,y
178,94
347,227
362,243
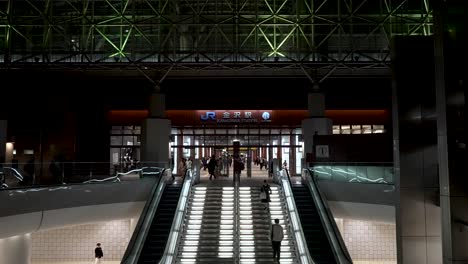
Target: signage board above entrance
x,y
235,116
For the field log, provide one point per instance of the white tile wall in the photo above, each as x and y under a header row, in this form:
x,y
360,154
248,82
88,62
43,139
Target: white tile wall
x,y
369,241
77,243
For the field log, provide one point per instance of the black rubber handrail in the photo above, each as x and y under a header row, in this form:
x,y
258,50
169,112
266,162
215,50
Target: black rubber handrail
x,y
339,250
136,243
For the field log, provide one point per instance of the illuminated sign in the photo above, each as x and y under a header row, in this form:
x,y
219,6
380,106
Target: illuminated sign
x,y
236,116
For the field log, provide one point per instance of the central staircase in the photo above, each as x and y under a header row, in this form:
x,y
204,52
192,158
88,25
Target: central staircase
x,y
231,225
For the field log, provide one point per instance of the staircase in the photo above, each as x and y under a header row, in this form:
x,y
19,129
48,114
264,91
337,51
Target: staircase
x,y
255,224
155,242
214,233
314,232
209,227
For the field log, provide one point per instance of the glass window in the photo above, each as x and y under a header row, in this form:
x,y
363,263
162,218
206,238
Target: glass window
x,y
116,130
116,140
198,131
336,130
128,130
356,129
137,130
128,140
209,131
265,131
346,129
243,131
378,129
275,131
188,131
254,131
366,129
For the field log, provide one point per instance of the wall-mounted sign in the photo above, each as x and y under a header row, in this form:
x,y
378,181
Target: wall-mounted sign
x,y
236,116
322,151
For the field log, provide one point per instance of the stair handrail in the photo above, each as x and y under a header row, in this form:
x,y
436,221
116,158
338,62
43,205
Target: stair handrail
x,y
236,220
295,226
135,245
177,228
340,251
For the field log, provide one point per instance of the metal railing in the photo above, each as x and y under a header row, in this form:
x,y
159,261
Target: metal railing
x,y
14,175
138,238
178,227
282,178
340,251
357,172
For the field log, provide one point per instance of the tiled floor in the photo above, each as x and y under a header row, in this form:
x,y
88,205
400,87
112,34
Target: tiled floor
x,y
118,262
74,262
374,262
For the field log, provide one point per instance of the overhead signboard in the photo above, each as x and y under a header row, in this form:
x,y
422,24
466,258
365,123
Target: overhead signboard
x,y
235,116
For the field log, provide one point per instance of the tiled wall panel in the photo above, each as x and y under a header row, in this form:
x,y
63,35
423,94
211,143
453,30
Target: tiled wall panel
x,y
78,242
367,240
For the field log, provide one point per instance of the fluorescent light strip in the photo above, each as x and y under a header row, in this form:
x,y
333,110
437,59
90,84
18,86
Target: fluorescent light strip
x,y
226,231
194,226
246,239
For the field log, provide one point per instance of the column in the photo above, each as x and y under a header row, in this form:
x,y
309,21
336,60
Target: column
x,y
316,123
450,82
156,132
417,214
16,249
3,140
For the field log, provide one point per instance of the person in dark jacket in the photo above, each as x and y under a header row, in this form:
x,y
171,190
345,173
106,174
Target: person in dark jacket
x,y
212,164
98,253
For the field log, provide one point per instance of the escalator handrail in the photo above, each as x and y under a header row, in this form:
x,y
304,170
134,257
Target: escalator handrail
x,y
135,245
295,227
340,251
177,228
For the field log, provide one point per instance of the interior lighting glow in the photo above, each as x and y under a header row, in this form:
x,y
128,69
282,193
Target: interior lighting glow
x,y
227,222
189,248
225,254
225,248
248,249
226,242
227,226
247,242
191,242
225,237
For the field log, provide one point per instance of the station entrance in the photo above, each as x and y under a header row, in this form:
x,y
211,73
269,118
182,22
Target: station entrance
x,y
258,148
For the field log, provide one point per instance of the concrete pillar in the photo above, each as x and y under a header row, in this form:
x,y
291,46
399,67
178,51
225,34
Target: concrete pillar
x,y
317,123
155,134
450,86
418,224
16,249
3,140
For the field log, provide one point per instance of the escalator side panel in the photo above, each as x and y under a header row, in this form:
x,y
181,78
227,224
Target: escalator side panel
x,y
157,237
314,231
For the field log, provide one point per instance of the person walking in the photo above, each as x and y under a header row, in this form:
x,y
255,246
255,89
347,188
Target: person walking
x,y
267,189
212,164
277,235
98,254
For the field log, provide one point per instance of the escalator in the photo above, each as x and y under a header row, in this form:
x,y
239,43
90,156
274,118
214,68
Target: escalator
x,y
158,233
314,232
